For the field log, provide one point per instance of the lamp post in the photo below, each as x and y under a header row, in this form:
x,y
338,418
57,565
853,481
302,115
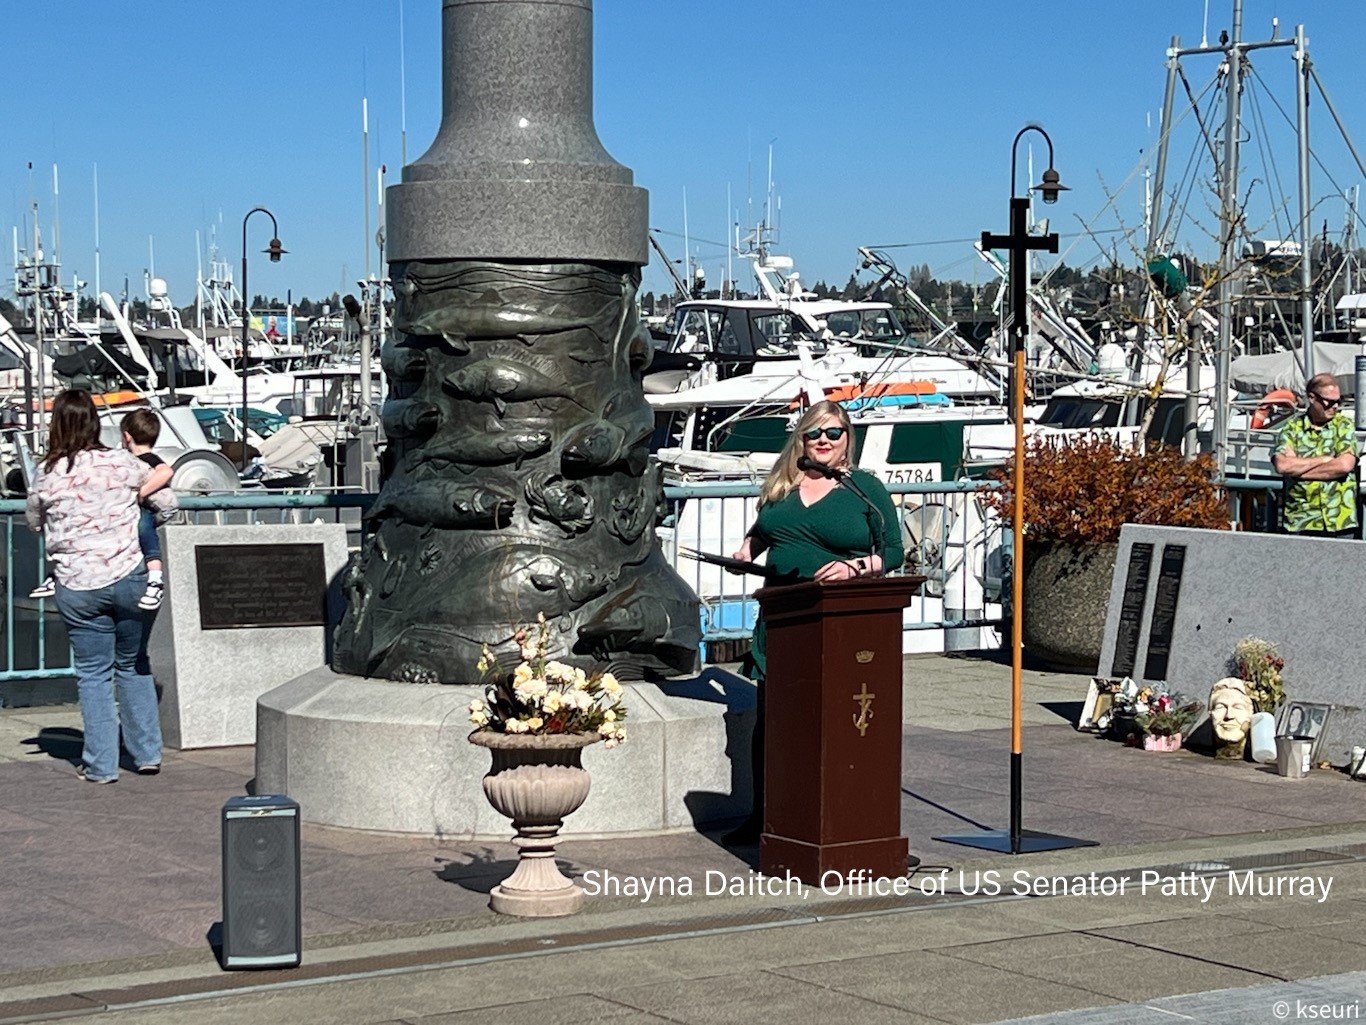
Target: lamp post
x,y
274,251
1020,243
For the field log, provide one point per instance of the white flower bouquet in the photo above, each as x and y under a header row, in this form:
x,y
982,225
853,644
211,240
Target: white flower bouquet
x,y
543,696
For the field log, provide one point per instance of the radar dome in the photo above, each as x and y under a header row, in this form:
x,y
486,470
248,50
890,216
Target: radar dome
x,y
157,288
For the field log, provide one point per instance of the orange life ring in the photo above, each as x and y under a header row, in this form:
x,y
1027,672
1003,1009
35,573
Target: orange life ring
x,y
1274,399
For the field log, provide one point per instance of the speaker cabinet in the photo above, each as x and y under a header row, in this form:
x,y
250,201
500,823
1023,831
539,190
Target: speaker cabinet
x,y
262,907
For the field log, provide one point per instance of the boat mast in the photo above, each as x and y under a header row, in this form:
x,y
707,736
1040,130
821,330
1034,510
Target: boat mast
x,y
1228,234
1157,246
1306,277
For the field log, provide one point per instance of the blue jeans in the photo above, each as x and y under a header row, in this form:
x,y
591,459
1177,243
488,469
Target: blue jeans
x,y
109,642
147,535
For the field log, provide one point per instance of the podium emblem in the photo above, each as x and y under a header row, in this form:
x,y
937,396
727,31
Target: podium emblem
x,y
865,709
863,657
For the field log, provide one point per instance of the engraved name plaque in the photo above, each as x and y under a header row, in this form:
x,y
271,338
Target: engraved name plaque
x,y
1131,611
242,586
1164,611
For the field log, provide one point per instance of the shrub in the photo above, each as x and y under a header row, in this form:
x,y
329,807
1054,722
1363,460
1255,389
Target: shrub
x,y
1085,489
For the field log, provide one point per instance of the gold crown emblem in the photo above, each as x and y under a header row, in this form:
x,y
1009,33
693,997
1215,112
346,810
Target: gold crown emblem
x,y
863,657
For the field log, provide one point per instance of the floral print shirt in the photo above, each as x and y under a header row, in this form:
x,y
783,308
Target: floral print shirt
x,y
1327,505
88,513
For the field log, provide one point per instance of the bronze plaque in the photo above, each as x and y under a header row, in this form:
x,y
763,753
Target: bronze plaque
x,y
1131,610
243,586
1164,611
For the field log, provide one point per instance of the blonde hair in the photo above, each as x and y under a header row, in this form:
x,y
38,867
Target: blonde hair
x,y
785,475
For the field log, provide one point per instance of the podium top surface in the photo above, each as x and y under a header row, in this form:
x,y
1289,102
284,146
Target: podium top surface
x,y
861,593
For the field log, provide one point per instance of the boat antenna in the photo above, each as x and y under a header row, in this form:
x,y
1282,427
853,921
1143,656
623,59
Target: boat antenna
x,y
99,310
365,168
402,91
687,247
729,280
1204,29
56,219
768,196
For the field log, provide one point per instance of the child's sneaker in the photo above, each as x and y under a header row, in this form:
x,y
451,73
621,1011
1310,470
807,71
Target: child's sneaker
x,y
47,589
151,598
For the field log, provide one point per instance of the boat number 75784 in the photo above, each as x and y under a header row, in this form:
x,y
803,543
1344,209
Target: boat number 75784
x,y
912,473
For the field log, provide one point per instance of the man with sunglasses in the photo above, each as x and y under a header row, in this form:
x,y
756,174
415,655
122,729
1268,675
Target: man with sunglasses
x,y
1316,453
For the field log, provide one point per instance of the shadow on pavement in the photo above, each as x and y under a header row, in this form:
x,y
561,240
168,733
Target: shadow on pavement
x,y
62,742
1068,711
944,808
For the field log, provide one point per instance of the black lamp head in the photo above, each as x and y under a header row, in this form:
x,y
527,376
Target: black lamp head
x,y
1051,186
275,250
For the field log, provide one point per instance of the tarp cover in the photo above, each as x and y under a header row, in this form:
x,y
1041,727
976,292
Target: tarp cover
x,y
89,360
1261,374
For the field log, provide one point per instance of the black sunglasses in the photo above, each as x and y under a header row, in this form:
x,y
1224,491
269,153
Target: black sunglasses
x,y
1326,403
831,433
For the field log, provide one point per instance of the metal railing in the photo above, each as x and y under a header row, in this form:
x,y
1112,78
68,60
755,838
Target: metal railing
x,y
35,644
946,533
963,553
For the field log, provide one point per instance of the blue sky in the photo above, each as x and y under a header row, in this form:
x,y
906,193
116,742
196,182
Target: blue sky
x,y
890,120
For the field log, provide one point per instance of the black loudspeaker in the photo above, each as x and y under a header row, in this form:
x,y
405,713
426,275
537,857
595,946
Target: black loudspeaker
x,y
262,906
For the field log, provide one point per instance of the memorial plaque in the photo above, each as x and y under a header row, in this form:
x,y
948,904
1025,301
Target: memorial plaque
x,y
1131,611
244,586
1164,611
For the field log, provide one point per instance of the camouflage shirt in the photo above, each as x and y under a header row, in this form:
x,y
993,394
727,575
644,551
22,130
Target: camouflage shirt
x,y
1319,505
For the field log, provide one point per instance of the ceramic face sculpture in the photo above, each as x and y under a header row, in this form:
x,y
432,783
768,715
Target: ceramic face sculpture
x,y
1230,713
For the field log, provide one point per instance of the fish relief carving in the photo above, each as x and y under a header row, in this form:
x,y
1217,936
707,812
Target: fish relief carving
x,y
501,381
444,503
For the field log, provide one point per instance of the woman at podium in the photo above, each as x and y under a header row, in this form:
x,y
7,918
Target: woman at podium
x,y
819,519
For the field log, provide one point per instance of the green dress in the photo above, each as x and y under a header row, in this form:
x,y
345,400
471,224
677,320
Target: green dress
x,y
800,539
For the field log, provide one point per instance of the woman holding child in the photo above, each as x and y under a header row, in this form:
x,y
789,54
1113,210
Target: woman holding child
x,y
85,501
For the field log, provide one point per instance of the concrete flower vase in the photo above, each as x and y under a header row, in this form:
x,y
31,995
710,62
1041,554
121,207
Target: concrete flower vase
x,y
537,782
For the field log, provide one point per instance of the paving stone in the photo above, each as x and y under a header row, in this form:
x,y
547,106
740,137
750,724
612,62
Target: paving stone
x,y
1120,970
944,987
748,997
574,1009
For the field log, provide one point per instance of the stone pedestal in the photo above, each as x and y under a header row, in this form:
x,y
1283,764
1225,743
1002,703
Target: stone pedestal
x,y
375,754
210,679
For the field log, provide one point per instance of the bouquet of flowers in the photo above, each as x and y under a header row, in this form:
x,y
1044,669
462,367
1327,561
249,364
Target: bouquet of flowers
x,y
1169,714
543,696
1260,664
1128,698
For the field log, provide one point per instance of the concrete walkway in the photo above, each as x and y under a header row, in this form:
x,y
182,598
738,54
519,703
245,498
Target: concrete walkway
x,y
107,896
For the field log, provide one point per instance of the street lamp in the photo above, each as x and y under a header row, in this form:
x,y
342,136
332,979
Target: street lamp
x,y
275,250
1020,242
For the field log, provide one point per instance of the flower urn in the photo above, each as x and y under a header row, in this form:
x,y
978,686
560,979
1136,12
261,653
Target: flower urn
x,y
536,781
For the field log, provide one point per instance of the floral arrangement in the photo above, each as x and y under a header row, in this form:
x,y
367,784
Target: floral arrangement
x,y
543,696
1154,710
1169,715
1258,662
1155,484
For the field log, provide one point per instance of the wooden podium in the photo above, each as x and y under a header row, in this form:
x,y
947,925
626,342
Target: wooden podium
x,y
832,728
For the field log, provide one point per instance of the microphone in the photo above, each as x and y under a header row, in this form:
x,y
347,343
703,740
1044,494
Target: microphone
x,y
829,472
844,477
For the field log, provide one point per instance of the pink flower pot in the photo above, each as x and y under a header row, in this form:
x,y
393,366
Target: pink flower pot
x,y
1153,743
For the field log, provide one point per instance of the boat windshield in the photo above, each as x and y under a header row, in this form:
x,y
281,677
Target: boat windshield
x,y
1076,411
777,331
866,325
